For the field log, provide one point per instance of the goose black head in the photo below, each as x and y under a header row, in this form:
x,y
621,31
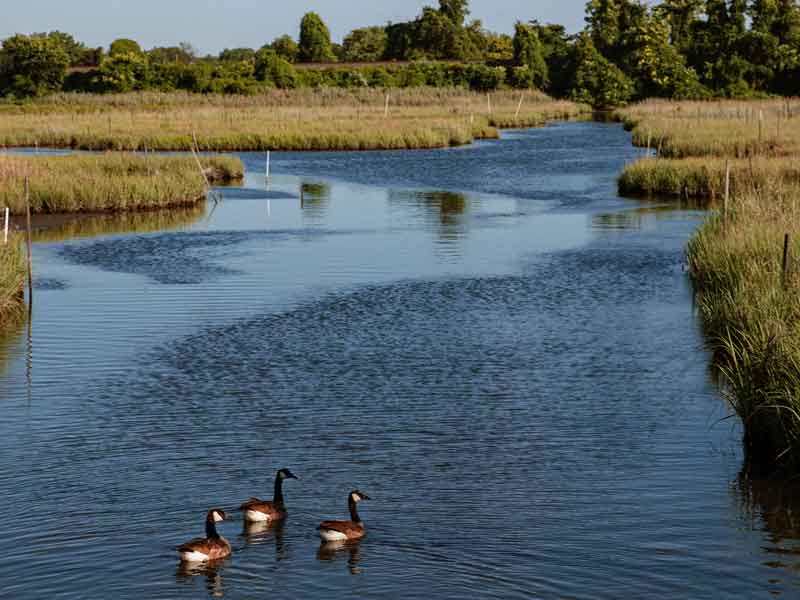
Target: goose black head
x,y
216,515
358,496
287,474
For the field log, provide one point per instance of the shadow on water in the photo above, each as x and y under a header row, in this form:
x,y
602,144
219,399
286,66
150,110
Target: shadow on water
x,y
314,200
11,333
441,210
640,217
187,573
336,551
776,505
59,228
264,534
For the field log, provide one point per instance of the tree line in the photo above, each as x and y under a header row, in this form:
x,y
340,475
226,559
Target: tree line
x,y
681,49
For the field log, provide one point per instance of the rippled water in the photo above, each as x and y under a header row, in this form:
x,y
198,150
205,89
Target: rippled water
x,y
487,341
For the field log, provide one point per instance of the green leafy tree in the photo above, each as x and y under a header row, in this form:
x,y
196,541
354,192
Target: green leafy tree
x,y
285,47
365,44
680,16
455,10
75,50
237,55
598,81
124,46
32,65
169,54
315,40
499,48
529,52
124,72
272,69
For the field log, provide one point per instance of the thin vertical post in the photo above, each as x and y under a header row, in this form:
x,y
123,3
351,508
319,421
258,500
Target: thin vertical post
x,y
727,191
519,106
30,250
5,229
267,171
386,107
489,102
785,266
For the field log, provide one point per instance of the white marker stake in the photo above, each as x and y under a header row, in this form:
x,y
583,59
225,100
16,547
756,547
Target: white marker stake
x,y
5,235
267,165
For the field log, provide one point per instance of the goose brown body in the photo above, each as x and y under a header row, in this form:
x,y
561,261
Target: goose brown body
x,y
333,531
257,510
212,547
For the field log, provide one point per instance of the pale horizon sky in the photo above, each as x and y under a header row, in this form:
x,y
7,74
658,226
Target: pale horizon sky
x,y
212,25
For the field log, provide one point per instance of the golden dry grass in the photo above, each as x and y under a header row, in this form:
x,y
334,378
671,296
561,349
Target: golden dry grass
x,y
324,119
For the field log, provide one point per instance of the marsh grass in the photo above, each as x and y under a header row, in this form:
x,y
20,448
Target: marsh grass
x,y
750,308
724,128
13,272
705,177
751,314
304,119
108,182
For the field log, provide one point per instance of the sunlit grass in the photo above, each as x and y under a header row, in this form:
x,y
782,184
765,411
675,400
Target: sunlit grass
x,y
13,272
108,182
304,119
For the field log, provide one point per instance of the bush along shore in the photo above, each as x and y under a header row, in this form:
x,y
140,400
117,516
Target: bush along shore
x,y
289,120
743,261
110,182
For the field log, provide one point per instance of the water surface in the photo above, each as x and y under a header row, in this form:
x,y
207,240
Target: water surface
x,y
488,341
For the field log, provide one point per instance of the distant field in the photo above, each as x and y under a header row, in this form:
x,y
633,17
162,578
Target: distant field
x,y
305,119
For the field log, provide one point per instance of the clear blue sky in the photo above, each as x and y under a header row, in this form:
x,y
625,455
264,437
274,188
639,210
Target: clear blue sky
x,y
211,25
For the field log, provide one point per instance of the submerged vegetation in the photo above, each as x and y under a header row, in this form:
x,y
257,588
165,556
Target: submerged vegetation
x,y
746,291
109,182
328,119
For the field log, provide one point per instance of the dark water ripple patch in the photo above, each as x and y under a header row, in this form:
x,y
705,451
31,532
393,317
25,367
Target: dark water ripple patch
x,y
173,258
49,283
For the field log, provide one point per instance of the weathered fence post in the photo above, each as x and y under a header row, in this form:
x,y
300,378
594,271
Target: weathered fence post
x,y
5,229
30,250
727,191
785,266
267,171
519,106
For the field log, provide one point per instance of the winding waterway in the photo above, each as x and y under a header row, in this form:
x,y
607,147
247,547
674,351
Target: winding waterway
x,y
488,341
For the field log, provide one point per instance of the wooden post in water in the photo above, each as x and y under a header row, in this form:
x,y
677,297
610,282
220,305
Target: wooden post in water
x,y
196,154
30,255
785,265
267,171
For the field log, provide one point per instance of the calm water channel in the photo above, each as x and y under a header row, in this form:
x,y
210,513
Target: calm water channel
x,y
488,341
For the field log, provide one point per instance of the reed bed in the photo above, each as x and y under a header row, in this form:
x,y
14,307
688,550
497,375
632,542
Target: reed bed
x,y
109,182
322,119
751,313
748,301
705,177
722,128
13,272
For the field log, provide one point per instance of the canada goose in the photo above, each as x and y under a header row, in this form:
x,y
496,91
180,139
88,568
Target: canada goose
x,y
212,547
338,531
260,511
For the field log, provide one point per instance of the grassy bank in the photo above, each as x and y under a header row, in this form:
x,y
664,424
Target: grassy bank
x,y
705,177
725,128
108,182
304,119
751,314
12,280
749,305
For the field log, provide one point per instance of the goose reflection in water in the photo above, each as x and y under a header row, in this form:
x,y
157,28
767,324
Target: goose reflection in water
x,y
211,570
261,533
333,551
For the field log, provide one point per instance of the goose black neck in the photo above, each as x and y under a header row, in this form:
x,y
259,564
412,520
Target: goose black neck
x,y
353,510
277,498
211,528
